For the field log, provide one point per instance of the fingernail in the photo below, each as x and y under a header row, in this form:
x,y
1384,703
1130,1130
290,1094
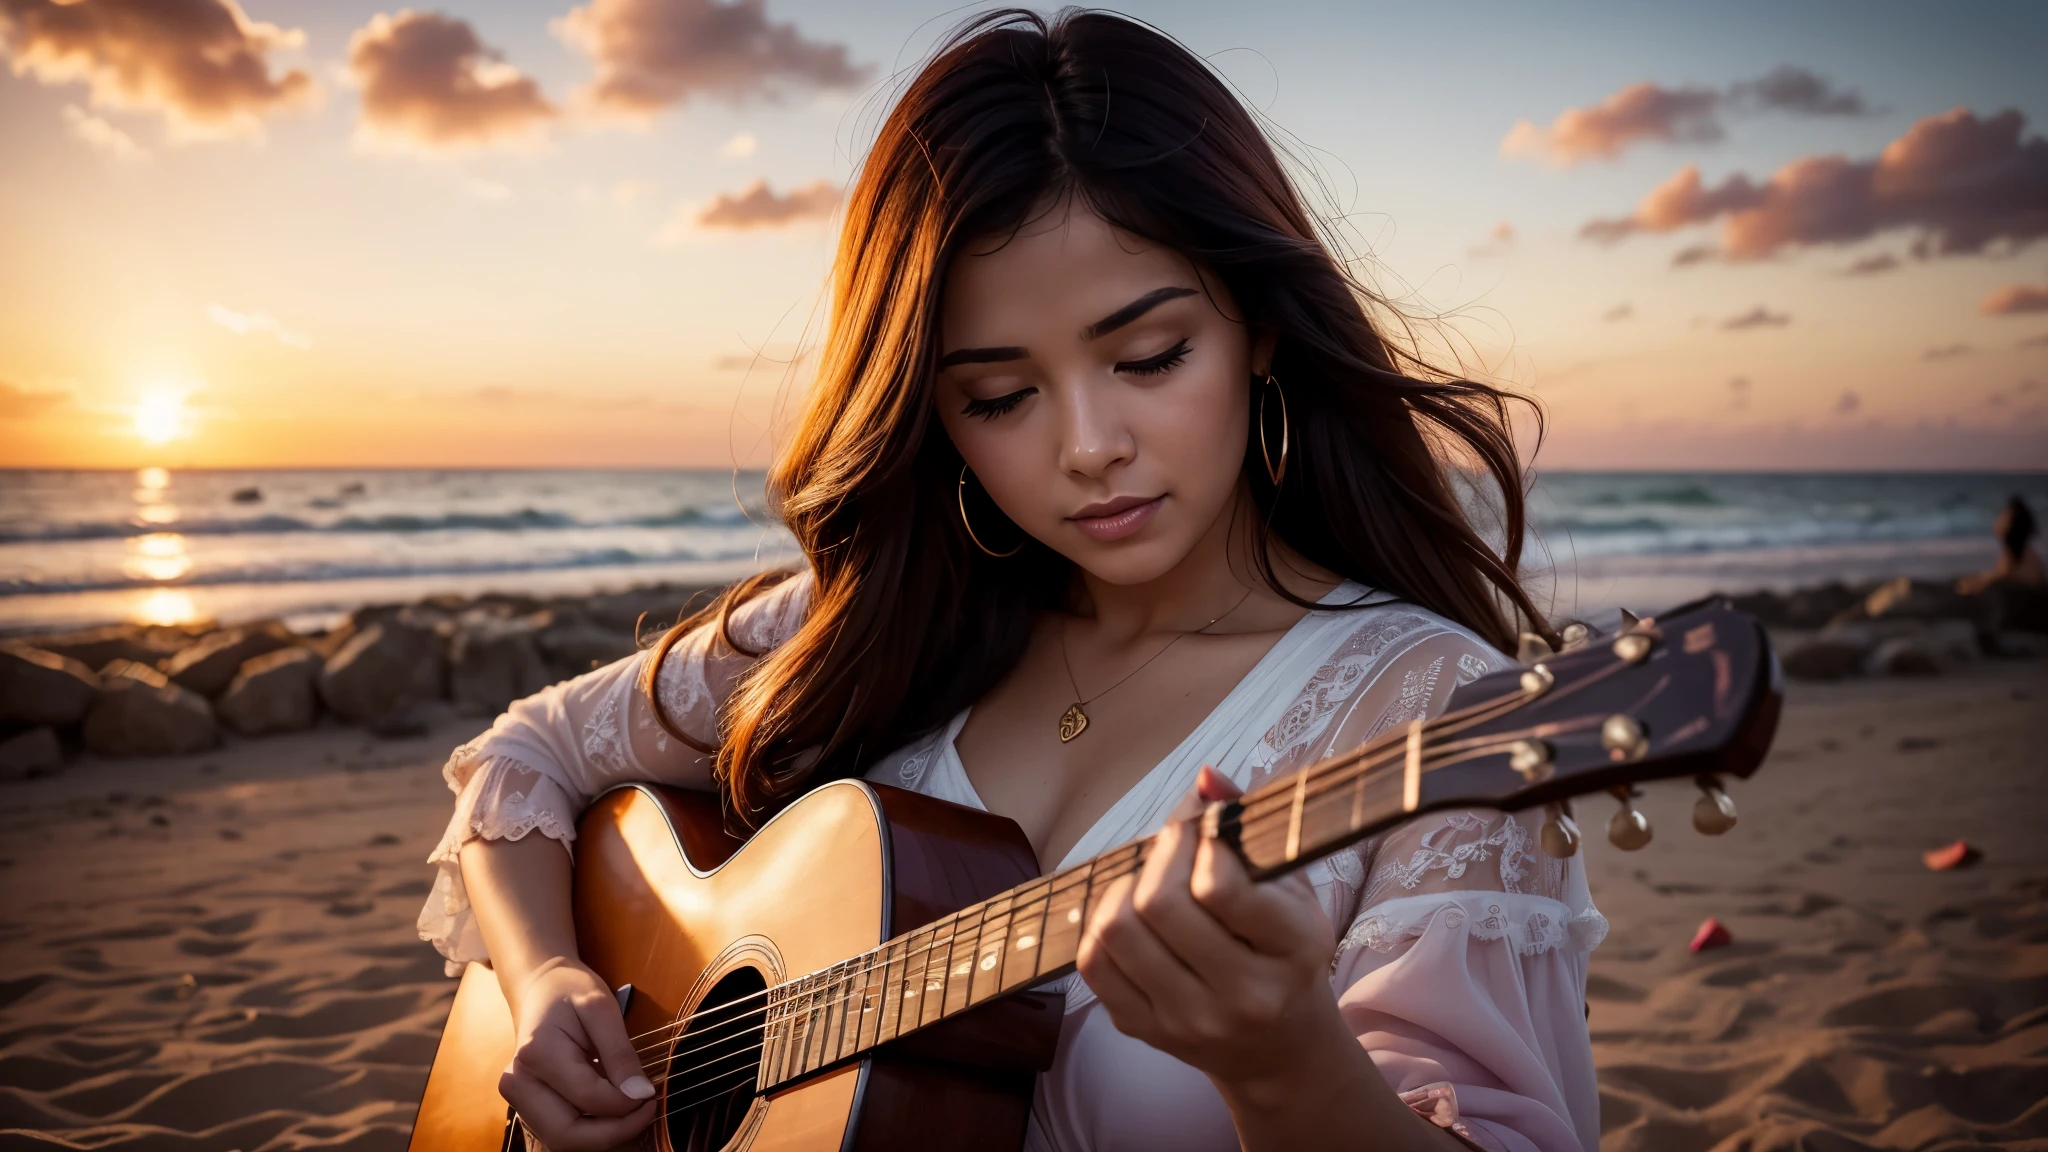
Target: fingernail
x,y
638,1088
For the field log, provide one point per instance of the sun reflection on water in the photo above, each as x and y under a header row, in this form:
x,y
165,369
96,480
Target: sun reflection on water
x,y
164,606
158,556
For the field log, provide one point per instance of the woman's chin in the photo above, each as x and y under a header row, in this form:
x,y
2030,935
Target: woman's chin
x,y
1138,559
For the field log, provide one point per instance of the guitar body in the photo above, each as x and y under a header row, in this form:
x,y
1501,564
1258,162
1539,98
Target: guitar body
x,y
690,918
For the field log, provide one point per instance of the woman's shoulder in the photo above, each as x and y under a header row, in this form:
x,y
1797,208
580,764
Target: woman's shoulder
x,y
1372,621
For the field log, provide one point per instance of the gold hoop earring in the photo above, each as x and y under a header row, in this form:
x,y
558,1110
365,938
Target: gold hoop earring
x,y
961,492
1275,473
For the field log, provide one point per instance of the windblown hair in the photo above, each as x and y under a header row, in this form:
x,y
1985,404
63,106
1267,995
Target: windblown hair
x,y
909,621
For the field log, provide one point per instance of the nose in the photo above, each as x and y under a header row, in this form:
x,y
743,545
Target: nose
x,y
1093,435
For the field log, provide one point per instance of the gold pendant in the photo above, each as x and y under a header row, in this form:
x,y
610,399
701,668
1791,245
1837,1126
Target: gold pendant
x,y
1073,722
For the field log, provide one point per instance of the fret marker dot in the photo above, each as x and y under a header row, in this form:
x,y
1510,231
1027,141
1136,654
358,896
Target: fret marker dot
x,y
1073,915
1024,942
988,962
964,968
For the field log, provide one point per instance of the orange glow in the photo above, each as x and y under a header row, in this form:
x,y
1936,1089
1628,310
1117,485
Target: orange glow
x,y
158,556
160,417
164,606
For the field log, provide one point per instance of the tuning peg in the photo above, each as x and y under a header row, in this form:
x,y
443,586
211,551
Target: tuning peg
x,y
1623,737
1560,834
1633,648
1629,620
1628,829
1537,680
1533,650
1575,636
1714,812
1531,758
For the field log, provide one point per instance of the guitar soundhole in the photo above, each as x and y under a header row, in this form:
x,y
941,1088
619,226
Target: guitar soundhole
x,y
711,1073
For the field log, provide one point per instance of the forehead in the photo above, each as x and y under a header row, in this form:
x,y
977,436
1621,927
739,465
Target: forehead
x,y
1061,271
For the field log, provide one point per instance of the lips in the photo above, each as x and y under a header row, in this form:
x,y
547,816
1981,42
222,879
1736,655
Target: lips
x,y
1118,518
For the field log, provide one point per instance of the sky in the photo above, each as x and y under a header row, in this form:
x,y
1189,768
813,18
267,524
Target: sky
x,y
569,233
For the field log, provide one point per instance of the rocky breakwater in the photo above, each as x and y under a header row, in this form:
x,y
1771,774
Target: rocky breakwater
x,y
1903,627
135,690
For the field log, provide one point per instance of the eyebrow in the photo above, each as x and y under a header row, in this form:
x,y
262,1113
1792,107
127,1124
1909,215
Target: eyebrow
x,y
1095,331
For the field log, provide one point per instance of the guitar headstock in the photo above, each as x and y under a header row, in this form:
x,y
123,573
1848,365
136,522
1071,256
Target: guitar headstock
x,y
1695,693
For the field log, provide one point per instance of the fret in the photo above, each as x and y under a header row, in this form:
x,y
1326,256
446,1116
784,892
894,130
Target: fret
x,y
960,961
888,1023
771,1048
873,982
820,1013
932,993
990,943
1027,932
1294,815
799,1029
917,963
1064,917
846,1033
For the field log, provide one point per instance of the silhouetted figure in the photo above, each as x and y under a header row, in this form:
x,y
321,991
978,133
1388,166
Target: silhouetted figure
x,y
2017,560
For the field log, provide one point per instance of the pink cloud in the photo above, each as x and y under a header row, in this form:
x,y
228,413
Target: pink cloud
x,y
428,79
760,207
1645,111
2015,300
202,63
1961,181
654,53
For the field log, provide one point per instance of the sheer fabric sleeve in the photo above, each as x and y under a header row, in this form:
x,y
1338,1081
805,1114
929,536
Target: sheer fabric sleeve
x,y
1462,950
548,755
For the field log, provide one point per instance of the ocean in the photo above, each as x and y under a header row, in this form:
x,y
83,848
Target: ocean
x,y
81,548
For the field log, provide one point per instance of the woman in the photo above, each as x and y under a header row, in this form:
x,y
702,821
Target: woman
x,y
2018,563
1106,476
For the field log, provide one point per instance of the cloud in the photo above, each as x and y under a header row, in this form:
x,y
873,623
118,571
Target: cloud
x,y
1797,90
428,80
1618,312
2015,300
739,147
1947,352
2040,341
244,323
654,53
1872,265
1695,254
104,137
627,191
1848,404
18,403
1500,239
201,63
1757,317
756,207
1962,182
1738,393
1646,111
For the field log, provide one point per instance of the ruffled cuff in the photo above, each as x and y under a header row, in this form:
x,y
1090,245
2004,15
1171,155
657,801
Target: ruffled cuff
x,y
498,799
1530,924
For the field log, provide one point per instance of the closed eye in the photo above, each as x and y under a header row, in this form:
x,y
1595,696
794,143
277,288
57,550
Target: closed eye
x,y
1155,365
996,406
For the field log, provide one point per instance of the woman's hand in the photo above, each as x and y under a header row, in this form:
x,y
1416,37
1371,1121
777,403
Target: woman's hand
x,y
1229,976
574,1078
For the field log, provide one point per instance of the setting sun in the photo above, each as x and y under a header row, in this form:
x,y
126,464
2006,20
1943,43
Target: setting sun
x,y
160,417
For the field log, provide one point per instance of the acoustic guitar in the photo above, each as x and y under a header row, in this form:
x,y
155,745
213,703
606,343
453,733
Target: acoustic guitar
x,y
861,972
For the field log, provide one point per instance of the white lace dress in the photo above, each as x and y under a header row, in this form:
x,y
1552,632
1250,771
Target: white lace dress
x,y
1461,964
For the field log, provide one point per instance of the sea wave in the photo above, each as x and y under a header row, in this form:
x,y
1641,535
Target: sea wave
x,y
604,557
523,520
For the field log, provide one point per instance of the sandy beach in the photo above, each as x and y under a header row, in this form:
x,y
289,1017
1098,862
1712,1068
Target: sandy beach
x,y
217,951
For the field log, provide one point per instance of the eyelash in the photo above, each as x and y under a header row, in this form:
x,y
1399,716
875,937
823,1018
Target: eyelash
x,y
1151,366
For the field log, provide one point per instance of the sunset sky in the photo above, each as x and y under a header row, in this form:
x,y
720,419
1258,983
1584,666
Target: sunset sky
x,y
535,232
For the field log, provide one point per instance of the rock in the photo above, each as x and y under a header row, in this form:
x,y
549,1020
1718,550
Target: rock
x,y
40,687
494,661
206,667
1712,934
274,692
1902,656
1815,606
571,649
382,670
2010,606
1826,657
247,496
95,647
139,712
1909,599
31,753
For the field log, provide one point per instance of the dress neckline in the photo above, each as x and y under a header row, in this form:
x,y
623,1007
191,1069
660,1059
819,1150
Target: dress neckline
x,y
1352,594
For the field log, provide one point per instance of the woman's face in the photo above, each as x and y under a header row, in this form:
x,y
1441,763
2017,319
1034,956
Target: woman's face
x,y
1099,388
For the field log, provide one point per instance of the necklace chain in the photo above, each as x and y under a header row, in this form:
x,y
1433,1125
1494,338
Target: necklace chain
x,y
1074,720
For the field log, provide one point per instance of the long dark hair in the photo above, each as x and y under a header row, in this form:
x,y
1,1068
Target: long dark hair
x,y
909,621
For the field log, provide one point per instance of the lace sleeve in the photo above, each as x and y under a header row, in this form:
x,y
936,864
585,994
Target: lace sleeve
x,y
548,755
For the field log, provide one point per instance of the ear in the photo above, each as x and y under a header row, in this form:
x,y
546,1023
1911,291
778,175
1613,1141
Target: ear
x,y
1264,341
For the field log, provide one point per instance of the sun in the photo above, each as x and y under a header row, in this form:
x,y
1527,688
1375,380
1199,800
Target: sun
x,y
160,416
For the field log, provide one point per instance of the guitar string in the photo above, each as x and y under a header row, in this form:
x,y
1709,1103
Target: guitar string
x,y
1361,765
854,985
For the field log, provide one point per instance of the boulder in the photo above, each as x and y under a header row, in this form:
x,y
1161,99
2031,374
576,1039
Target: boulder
x,y
1903,656
96,647
2010,606
1815,606
573,648
208,665
40,687
383,670
274,692
139,712
31,753
1908,599
493,661
1826,657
